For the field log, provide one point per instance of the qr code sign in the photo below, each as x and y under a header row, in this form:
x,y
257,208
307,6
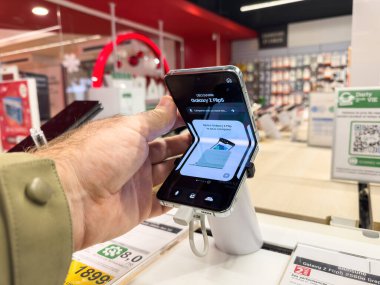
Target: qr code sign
x,y
365,139
302,270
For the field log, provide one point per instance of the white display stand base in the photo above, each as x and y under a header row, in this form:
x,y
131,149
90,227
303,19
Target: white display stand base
x,y
239,233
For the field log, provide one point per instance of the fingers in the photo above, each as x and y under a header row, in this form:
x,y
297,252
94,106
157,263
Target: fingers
x,y
161,171
157,122
179,122
162,149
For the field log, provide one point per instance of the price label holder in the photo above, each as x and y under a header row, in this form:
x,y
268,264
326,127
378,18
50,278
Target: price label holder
x,y
314,265
120,259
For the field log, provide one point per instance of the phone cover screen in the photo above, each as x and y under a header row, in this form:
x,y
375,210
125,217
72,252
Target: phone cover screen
x,y
214,109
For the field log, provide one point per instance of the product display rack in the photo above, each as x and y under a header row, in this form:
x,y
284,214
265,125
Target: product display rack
x,y
287,80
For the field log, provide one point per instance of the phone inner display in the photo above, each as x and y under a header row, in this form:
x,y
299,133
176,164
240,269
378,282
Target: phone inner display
x,y
211,170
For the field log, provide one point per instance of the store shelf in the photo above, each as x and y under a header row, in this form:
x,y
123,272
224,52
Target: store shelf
x,y
298,75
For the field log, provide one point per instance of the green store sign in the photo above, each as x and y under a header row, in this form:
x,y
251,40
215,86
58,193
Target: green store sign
x,y
359,99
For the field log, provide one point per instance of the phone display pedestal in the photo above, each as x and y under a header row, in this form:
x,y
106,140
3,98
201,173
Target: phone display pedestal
x,y
239,233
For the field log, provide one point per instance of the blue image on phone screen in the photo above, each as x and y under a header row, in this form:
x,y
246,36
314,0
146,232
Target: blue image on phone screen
x,y
223,144
220,147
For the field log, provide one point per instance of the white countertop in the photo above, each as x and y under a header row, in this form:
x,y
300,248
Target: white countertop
x,y
180,266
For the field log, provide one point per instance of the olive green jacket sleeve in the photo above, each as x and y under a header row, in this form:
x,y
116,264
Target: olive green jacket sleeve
x,y
35,229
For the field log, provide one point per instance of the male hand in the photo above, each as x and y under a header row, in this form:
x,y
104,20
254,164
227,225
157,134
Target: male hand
x,y
109,167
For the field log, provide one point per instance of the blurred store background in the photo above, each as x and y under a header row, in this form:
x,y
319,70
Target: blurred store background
x,y
285,52
319,158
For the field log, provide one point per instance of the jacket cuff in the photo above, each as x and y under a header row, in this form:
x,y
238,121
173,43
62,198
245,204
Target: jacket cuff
x,y
37,220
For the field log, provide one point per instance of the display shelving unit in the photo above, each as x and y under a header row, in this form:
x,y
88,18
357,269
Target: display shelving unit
x,y
287,80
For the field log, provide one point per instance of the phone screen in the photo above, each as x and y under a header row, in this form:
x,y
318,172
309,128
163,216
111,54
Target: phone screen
x,y
211,170
69,118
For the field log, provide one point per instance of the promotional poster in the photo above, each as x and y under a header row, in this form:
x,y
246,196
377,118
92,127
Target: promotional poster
x,y
356,152
18,111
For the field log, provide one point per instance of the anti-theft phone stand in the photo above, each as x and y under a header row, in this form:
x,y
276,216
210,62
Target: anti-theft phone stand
x,y
237,234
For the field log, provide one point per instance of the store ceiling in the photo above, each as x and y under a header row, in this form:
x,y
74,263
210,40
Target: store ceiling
x,y
180,17
186,19
276,16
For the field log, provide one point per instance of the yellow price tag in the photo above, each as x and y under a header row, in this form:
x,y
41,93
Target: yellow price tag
x,y
82,274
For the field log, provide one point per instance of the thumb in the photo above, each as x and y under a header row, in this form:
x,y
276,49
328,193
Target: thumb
x,y
159,121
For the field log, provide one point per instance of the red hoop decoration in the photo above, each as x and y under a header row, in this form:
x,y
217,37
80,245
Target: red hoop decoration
x,y
98,72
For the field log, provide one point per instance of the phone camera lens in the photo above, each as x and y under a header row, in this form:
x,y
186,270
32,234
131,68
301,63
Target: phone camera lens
x,y
227,89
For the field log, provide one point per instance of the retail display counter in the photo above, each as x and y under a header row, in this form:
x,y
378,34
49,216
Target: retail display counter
x,y
293,180
180,266
295,200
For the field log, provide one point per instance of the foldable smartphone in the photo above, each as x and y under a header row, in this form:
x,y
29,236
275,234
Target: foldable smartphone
x,y
215,106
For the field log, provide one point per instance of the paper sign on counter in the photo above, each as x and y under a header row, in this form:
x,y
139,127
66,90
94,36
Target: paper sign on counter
x,y
313,265
356,149
119,259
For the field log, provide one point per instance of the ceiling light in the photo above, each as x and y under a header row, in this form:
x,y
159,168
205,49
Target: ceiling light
x,y
40,11
266,5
